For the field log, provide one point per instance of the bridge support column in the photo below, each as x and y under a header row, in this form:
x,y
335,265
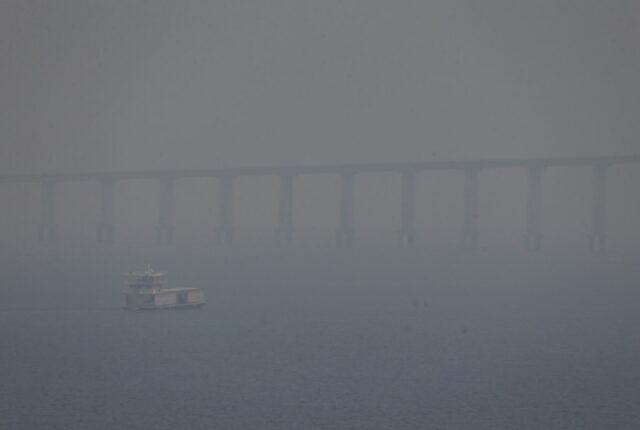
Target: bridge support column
x,y
345,234
48,231
407,232
165,229
106,227
225,228
470,232
598,214
533,235
284,231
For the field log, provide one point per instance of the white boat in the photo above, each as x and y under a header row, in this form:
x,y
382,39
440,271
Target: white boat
x,y
147,291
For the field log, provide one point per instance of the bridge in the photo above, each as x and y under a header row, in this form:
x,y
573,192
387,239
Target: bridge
x,y
345,232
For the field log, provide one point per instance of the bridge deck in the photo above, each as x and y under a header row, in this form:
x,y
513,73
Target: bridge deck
x,y
326,169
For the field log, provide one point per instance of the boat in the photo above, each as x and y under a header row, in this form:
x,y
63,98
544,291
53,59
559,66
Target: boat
x,y
147,290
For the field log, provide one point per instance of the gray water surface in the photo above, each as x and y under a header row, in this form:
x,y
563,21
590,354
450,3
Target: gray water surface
x,y
550,346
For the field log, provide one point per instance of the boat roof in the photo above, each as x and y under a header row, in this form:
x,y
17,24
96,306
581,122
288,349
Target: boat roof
x,y
148,273
167,291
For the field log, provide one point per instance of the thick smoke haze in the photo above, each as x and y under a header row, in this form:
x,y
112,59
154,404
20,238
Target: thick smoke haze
x,y
92,85
146,84
309,335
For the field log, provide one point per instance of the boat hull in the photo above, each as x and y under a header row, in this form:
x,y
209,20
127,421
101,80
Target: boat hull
x,y
164,298
164,307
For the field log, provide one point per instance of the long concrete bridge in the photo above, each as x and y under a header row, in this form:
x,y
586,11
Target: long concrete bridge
x,y
345,232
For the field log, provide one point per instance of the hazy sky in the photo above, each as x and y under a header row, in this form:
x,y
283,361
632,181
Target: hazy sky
x,y
91,84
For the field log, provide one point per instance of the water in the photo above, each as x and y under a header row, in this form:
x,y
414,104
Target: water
x,y
334,346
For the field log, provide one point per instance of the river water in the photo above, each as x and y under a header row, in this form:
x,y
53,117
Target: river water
x,y
453,344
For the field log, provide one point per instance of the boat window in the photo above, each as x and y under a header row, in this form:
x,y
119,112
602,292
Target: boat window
x,y
181,298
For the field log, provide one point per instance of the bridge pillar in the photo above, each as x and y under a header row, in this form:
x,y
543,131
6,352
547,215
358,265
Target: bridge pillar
x,y
345,234
470,232
165,228
533,235
48,231
284,231
598,215
407,232
106,227
225,228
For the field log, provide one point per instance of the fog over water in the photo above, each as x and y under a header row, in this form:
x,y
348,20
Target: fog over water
x,y
309,335
310,340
